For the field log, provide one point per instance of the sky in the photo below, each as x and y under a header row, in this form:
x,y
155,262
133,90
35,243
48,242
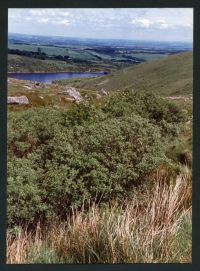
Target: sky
x,y
161,24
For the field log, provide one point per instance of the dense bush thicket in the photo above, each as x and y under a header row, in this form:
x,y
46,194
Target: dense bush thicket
x,y
58,159
145,104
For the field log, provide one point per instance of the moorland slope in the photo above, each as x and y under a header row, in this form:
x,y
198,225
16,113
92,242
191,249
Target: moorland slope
x,y
171,75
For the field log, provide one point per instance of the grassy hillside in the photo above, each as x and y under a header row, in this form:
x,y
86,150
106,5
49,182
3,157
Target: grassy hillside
x,y
18,63
27,64
166,76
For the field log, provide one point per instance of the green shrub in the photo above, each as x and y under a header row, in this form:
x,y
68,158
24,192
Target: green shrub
x,y
145,104
85,111
24,193
105,159
56,160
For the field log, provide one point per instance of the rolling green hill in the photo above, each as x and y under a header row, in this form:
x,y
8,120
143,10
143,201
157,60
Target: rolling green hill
x,y
171,75
18,63
28,64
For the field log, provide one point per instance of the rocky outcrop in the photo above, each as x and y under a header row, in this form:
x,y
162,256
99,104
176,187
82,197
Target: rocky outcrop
x,y
73,93
18,100
103,92
98,96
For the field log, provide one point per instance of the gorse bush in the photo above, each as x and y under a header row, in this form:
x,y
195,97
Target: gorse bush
x,y
58,159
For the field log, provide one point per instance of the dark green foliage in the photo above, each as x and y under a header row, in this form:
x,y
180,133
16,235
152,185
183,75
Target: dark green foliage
x,y
103,159
24,194
82,112
57,160
146,104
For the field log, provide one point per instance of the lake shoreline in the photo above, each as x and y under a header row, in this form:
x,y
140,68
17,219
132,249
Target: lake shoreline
x,y
50,76
101,72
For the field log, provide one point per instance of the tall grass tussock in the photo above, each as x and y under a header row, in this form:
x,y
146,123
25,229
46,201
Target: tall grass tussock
x,y
154,226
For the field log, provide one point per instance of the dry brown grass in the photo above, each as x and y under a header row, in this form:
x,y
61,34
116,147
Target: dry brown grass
x,y
156,229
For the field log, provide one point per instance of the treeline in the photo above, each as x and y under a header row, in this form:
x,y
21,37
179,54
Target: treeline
x,y
128,61
43,56
105,50
38,54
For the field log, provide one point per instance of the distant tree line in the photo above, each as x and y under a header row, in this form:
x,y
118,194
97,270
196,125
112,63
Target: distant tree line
x,y
38,54
106,50
138,59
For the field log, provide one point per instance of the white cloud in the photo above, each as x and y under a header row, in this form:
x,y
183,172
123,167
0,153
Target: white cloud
x,y
43,20
12,16
188,25
28,19
37,12
143,23
109,22
64,22
162,24
146,23
64,13
44,16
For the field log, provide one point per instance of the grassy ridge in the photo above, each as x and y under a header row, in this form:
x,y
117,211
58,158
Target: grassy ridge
x,y
167,76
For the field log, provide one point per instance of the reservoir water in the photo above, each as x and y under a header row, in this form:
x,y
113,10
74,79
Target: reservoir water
x,y
49,77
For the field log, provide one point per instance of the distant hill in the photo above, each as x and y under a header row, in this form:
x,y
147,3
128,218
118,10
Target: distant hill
x,y
172,75
18,63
